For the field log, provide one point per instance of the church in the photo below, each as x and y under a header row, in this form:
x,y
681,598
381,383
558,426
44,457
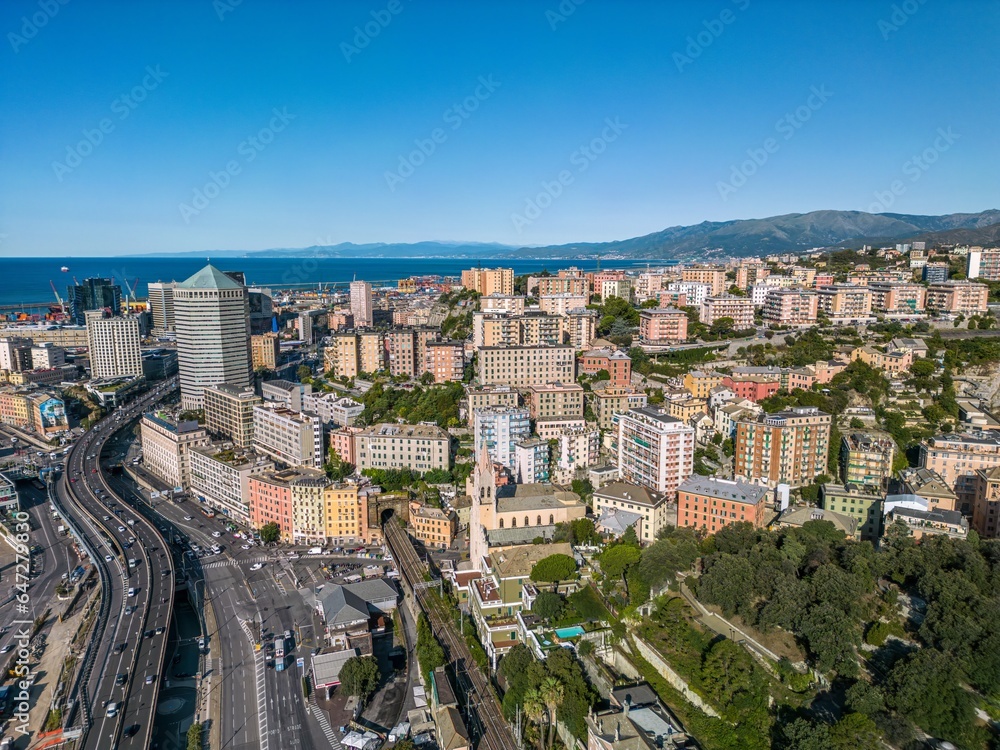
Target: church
x,y
513,514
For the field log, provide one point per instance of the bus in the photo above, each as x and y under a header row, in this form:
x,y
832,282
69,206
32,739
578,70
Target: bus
x,y
279,653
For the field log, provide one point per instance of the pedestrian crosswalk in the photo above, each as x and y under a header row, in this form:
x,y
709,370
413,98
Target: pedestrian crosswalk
x,y
218,564
324,724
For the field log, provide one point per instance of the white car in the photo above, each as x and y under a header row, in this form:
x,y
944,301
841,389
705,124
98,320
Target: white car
x,y
121,529
256,566
245,546
188,518
108,558
216,534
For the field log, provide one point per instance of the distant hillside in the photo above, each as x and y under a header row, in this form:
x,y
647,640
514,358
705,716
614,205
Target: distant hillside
x,y
788,233
791,233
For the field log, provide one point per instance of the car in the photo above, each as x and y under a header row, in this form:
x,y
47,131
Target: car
x,y
112,711
216,534
107,518
121,529
257,566
132,730
129,609
159,630
133,592
188,518
7,648
108,558
121,679
150,678
120,648
244,546
148,634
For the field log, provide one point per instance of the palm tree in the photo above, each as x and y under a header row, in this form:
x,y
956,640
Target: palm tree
x,y
551,691
534,709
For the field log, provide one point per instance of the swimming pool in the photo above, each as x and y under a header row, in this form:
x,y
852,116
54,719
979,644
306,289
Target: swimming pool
x,y
570,632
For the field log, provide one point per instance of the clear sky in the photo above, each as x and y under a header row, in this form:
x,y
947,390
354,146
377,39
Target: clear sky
x,y
408,120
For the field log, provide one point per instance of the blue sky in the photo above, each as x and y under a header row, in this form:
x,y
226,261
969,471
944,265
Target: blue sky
x,y
574,122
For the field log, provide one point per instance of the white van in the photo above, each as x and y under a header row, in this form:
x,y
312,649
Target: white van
x,y
315,551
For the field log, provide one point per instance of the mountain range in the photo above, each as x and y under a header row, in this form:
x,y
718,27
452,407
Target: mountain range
x,y
789,233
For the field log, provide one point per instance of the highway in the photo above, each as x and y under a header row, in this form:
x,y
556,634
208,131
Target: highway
x,y
137,600
482,707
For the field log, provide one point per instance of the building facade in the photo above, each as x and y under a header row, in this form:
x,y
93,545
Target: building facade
x,y
229,412
788,447
655,450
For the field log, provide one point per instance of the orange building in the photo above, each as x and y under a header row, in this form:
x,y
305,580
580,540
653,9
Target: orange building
x,y
616,362
711,504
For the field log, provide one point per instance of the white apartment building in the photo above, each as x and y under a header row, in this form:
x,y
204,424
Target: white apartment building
x,y
113,345
561,304
332,408
500,429
47,356
695,292
160,301
222,477
576,448
166,448
293,438
655,450
740,309
288,394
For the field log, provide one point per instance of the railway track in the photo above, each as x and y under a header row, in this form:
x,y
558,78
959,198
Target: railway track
x,y
481,703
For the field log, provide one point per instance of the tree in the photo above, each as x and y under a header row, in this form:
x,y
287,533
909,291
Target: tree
x,y
194,739
618,559
429,651
553,569
337,468
359,676
270,533
304,372
534,709
925,687
723,325
551,691
548,605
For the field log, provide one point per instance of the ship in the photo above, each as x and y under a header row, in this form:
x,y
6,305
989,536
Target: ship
x,y
64,269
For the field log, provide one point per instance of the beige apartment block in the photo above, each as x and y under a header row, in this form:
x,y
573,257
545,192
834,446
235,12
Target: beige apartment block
x,y
265,351
489,281
555,400
845,301
958,297
714,276
655,450
419,447
561,304
897,297
229,412
523,366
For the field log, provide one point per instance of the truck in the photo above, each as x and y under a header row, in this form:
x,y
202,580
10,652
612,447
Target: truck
x,y
279,654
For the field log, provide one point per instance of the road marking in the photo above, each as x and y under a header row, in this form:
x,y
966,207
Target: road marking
x,y
324,723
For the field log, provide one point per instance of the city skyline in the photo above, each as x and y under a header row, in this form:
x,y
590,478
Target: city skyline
x,y
544,123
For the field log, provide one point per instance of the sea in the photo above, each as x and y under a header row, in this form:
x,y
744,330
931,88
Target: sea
x,y
28,281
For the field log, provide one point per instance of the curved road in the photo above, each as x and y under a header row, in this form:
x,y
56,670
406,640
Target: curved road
x,y
129,636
